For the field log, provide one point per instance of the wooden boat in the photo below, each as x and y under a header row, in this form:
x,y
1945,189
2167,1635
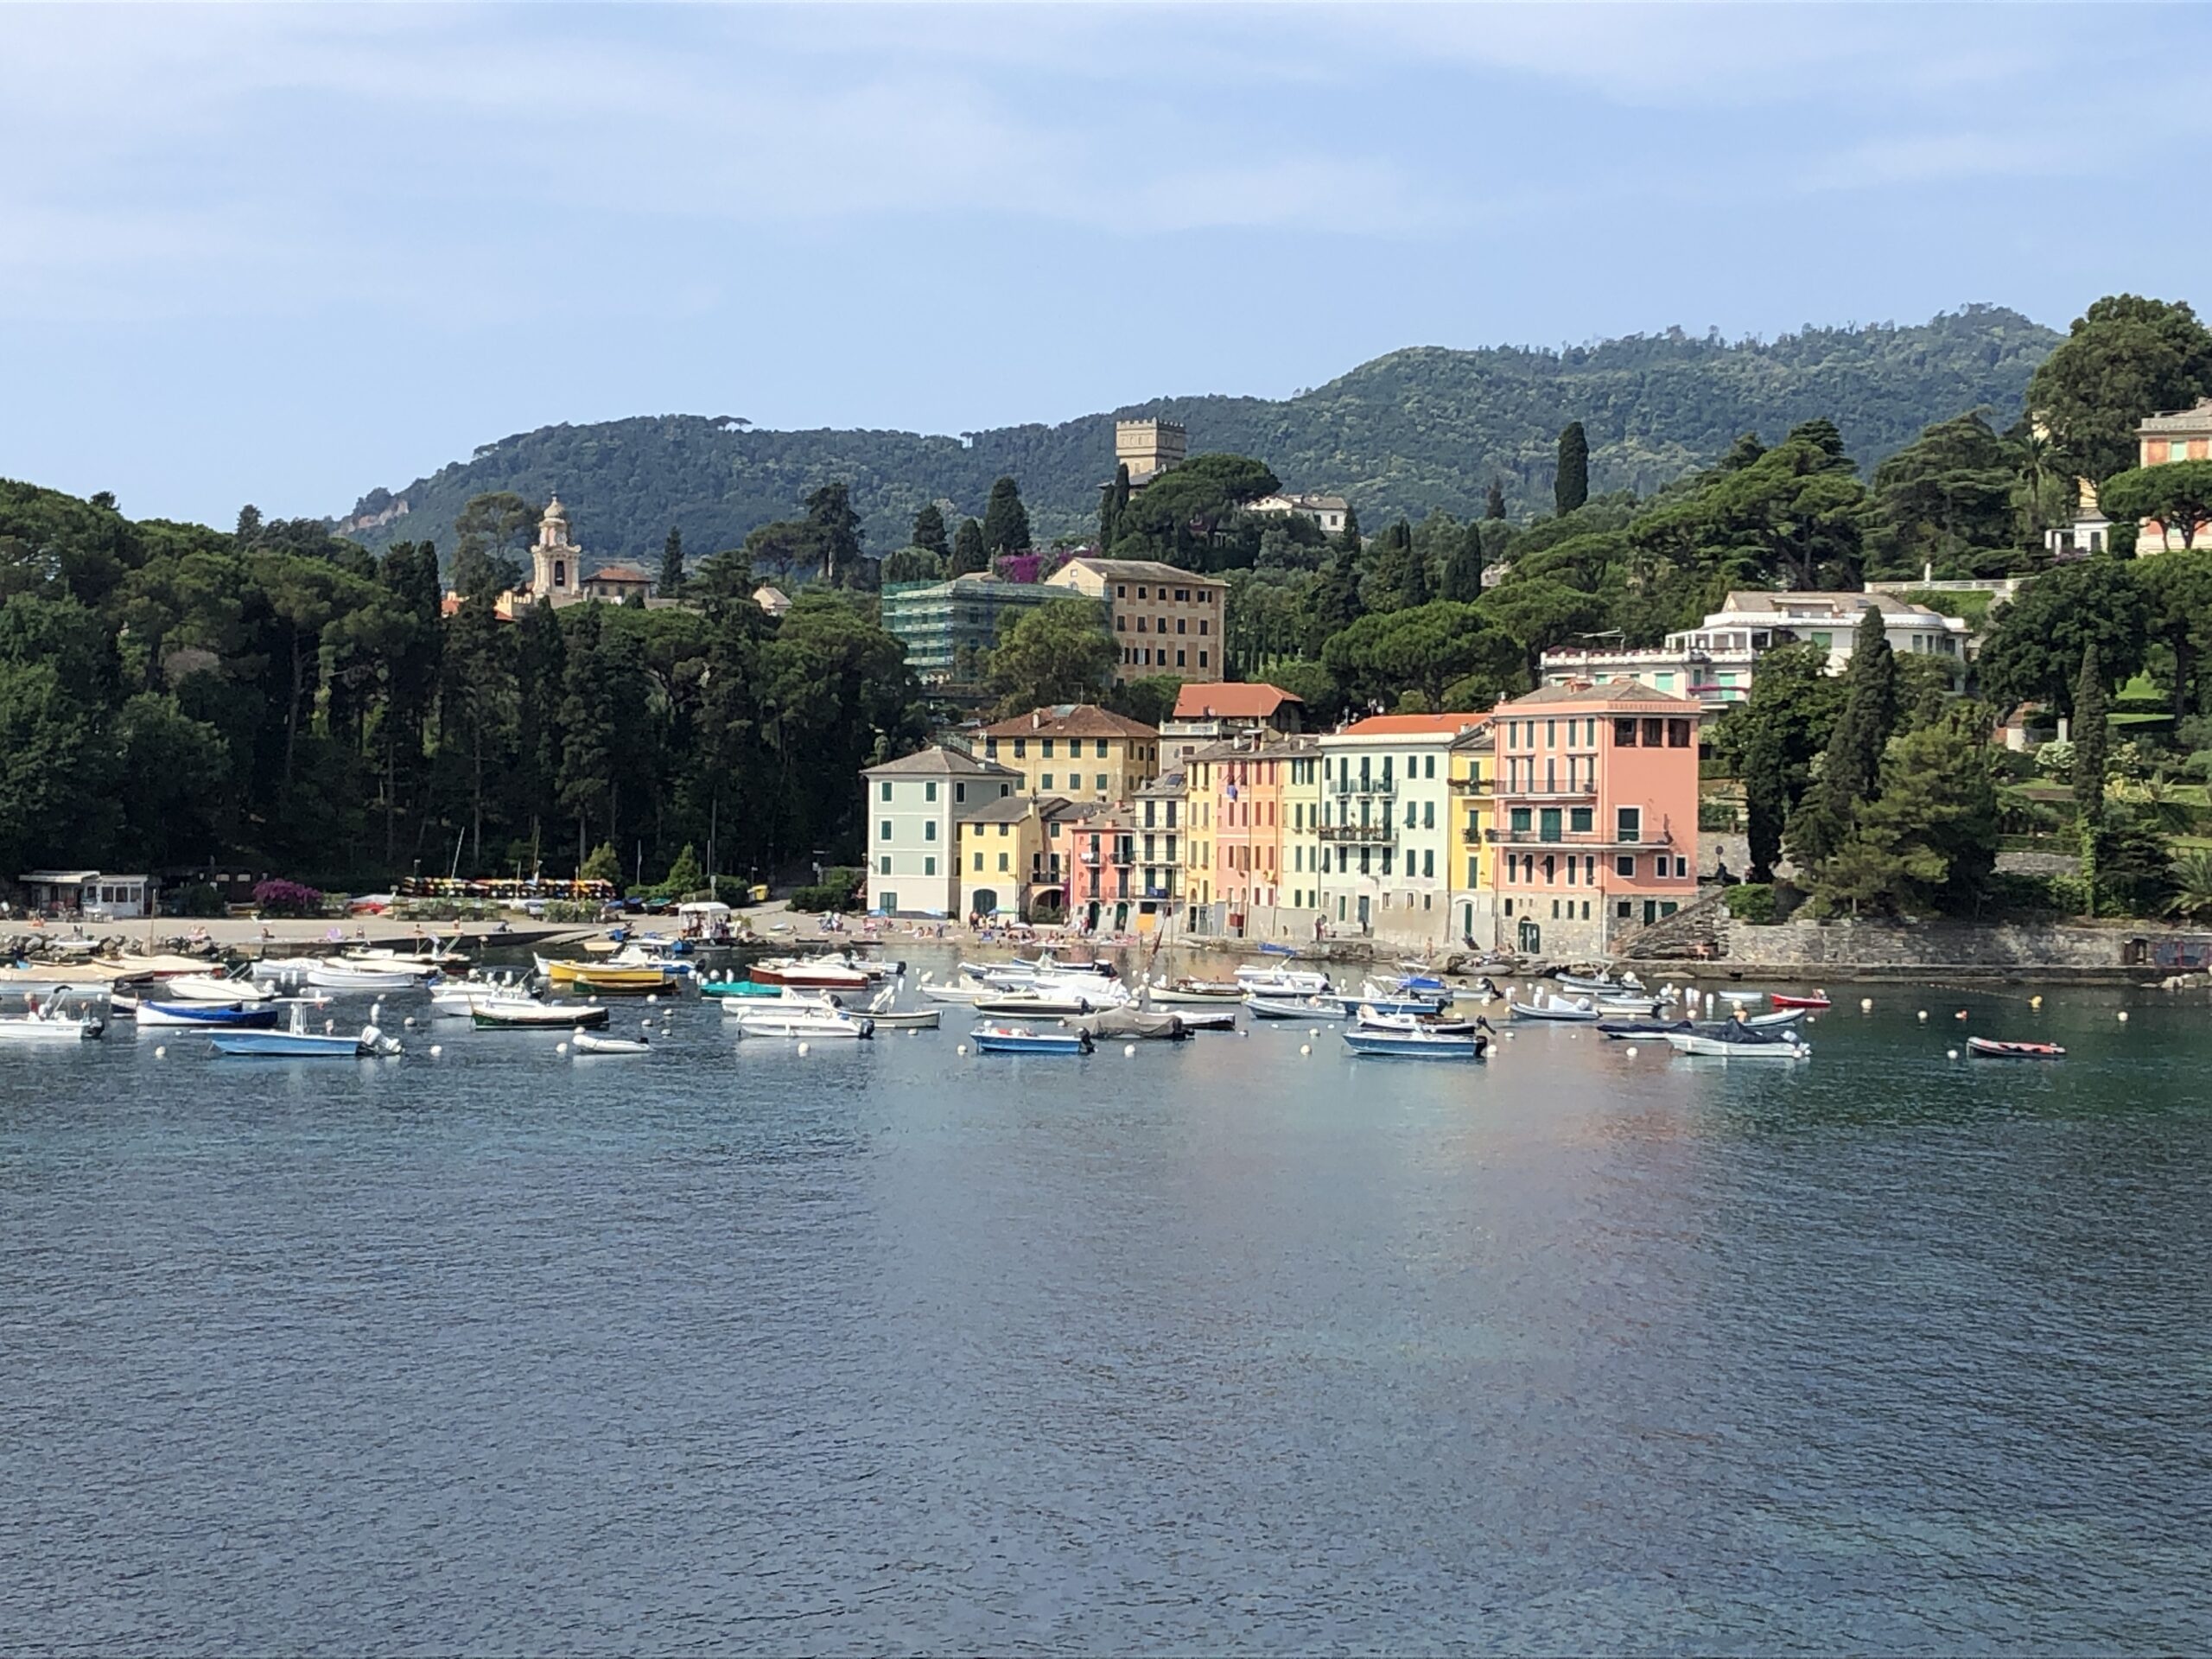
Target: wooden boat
x,y
1817,1000
1556,1008
1415,1044
1020,1039
1996,1049
226,1016
1036,1005
622,981
1288,1008
737,988
525,1014
296,1042
584,1042
1195,990
1733,1040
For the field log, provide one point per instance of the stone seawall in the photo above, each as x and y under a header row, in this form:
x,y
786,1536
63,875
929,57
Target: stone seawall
x,y
1803,948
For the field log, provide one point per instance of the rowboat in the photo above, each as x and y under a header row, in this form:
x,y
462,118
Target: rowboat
x,y
340,975
584,1042
1045,962
296,1042
45,1023
739,987
526,1013
1270,949
1290,1008
1599,983
1415,1044
228,1016
1817,1000
1271,981
802,1019
1996,1049
1020,1039
1731,1041
1555,1008
1197,990
1742,999
1038,1005
880,1010
839,972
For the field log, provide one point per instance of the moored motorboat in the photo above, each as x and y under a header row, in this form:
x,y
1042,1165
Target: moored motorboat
x,y
1038,1005
1196,1019
232,988
1556,1008
1131,1024
737,988
227,1016
1268,979
1372,1019
1415,1044
296,1042
1195,991
526,1013
882,1008
50,1022
1733,1040
327,974
1293,1007
1817,1000
1995,1048
1022,1039
799,1018
587,1042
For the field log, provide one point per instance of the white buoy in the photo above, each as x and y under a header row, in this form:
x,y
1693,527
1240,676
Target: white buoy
x,y
1960,1014
2034,1001
435,1050
1128,1050
1924,1016
1305,1048
1632,1051
560,1048
1950,1054
804,1050
1865,1005
2123,1016
1313,1031
651,997
962,1049
644,1025
161,1052
913,1031
408,1022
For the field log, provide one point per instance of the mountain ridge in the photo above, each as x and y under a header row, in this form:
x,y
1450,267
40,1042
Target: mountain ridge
x,y
1418,428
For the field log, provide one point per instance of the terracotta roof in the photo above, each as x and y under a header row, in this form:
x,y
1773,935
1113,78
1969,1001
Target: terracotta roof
x,y
1227,702
1605,691
939,762
1413,725
619,573
1070,720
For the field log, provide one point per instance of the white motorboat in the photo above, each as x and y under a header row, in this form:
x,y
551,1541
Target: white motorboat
x,y
456,999
1614,982
961,990
338,975
48,1022
1372,1019
1268,979
589,1042
236,986
429,959
1195,990
787,996
1262,1007
1556,1008
800,1020
1416,1044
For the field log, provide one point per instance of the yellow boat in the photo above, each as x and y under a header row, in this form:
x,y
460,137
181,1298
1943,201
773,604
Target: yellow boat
x,y
595,976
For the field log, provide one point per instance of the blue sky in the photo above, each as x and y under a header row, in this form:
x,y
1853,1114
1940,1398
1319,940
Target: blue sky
x,y
286,254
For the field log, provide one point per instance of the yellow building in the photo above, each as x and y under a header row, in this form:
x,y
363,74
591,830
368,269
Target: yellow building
x,y
1474,817
1163,620
1077,750
1009,857
1301,829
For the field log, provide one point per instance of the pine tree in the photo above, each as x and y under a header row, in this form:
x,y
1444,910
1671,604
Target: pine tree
x,y
672,563
1494,503
968,554
1005,521
929,530
1463,570
1571,485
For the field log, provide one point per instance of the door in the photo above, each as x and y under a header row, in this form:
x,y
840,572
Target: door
x,y
1650,912
985,903
1548,824
1363,909
1532,939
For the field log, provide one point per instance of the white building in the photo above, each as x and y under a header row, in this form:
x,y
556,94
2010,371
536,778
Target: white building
x,y
1386,833
912,805
1326,511
1713,663
95,895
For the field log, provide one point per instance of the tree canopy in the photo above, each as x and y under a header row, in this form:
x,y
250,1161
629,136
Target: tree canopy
x,y
2125,358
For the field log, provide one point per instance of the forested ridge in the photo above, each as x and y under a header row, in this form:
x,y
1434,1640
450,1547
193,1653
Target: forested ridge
x,y
1418,430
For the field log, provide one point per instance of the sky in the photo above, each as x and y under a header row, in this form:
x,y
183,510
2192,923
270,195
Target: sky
x,y
284,255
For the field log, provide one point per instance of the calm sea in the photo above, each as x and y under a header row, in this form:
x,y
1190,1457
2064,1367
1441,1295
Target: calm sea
x,y
1219,1347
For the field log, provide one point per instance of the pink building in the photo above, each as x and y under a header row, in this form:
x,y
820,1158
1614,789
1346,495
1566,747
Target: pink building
x,y
1596,814
1102,887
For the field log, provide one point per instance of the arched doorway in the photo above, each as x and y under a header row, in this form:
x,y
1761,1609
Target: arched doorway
x,y
1532,939
984,903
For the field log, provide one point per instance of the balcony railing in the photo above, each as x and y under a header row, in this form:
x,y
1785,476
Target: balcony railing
x,y
1374,833
1474,785
1553,792
1587,841
1381,788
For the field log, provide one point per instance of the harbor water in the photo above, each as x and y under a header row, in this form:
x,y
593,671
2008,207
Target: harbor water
x,y
1220,1346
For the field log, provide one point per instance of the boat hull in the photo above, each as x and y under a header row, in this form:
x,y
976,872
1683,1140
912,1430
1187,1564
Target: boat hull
x,y
1406,1047
1992,1048
155,1016
546,1018
287,1045
1030,1042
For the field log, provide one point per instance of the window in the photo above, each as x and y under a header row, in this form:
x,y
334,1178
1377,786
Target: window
x,y
1471,870
1409,814
1681,869
1551,871
1002,862
1624,732
1121,624
1428,815
1652,727
886,795
1044,781
960,791
1678,733
1428,862
1520,820
1178,624
2177,449
929,830
1182,597
1102,748
1581,820
979,861
883,865
1202,628
929,867
1628,823
1140,593
1388,854
1179,655
1020,748
1101,781
1121,590
1551,734
929,789
883,832
1624,909
1202,655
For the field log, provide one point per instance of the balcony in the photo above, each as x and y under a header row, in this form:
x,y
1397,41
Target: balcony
x,y
1587,841
1474,785
1372,834
1380,789
1554,792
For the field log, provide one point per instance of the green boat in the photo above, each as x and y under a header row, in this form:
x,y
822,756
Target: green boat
x,y
739,987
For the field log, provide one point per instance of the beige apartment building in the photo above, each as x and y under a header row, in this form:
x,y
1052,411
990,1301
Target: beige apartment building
x,y
1076,750
1163,620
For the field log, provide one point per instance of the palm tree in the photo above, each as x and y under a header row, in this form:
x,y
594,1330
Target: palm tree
x,y
2192,876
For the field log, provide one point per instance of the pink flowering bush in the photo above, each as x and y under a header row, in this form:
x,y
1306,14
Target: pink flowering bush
x,y
286,899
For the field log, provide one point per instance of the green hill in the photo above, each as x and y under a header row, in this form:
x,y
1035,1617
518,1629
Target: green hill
x,y
1416,429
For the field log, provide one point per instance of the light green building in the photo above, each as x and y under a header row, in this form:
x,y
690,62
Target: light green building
x,y
945,625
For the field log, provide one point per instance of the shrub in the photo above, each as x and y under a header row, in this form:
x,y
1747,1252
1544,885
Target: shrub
x,y
2055,761
569,909
817,899
2010,893
201,898
279,898
1751,901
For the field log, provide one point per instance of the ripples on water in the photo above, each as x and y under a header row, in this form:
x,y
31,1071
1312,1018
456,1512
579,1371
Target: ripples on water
x,y
1212,1348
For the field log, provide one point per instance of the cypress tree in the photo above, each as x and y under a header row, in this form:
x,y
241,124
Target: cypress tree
x,y
1005,521
1494,503
672,563
1571,485
929,530
1113,508
1463,570
1853,764
1348,541
2092,745
968,554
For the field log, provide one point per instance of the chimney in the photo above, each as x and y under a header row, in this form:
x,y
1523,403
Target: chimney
x,y
1036,718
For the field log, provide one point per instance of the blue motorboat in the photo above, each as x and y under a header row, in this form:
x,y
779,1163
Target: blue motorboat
x,y
1416,1044
296,1042
1022,1039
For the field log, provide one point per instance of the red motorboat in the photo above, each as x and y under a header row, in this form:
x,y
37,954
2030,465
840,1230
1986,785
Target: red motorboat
x,y
1817,1000
2001,1051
